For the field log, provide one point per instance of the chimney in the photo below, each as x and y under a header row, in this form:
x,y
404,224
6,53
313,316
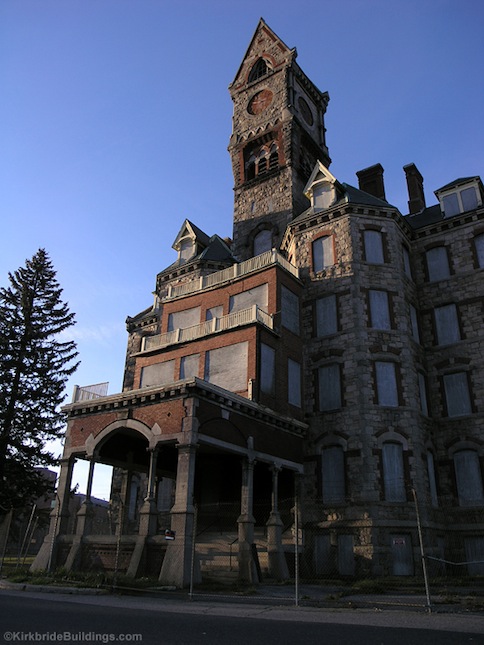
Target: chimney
x,y
416,201
371,181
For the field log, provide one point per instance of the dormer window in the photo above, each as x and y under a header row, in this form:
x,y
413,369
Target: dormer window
x,y
460,197
322,188
324,195
186,249
189,242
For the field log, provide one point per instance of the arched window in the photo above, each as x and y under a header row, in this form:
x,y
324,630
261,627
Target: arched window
x,y
259,70
393,472
250,168
261,159
333,475
262,242
262,165
274,157
468,478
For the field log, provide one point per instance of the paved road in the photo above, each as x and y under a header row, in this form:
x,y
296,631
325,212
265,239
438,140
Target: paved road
x,y
29,617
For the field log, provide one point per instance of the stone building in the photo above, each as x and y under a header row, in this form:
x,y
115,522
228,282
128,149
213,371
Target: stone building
x,y
333,353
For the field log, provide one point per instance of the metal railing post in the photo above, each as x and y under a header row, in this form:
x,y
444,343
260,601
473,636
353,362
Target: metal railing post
x,y
422,553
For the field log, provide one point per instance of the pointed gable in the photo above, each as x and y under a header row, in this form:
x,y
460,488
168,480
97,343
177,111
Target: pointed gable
x,y
190,241
323,188
264,48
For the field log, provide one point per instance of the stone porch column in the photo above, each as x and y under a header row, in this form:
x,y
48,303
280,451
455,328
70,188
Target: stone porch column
x,y
148,512
277,560
176,568
246,522
59,518
85,514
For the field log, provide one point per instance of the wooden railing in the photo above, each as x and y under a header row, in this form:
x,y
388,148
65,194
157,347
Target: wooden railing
x,y
253,314
235,271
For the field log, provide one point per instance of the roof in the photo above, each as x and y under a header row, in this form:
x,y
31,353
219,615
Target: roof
x,y
458,182
349,195
430,215
357,196
190,229
216,250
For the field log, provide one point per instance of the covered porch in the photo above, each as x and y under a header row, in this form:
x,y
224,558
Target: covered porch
x,y
191,460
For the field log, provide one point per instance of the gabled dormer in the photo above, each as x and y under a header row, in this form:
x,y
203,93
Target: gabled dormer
x,y
322,189
460,196
189,242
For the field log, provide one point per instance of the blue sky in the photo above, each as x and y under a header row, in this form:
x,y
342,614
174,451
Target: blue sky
x,y
115,120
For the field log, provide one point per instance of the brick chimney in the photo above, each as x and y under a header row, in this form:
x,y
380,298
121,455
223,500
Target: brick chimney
x,y
416,201
371,181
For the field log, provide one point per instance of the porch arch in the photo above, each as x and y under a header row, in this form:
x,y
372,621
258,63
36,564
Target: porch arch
x,y
94,444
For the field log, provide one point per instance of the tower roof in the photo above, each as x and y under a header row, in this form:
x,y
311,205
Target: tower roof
x,y
264,43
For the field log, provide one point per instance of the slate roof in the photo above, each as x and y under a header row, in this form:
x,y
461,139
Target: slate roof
x,y
430,215
349,195
458,182
357,196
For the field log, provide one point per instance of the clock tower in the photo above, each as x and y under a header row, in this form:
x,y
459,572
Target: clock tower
x,y
278,135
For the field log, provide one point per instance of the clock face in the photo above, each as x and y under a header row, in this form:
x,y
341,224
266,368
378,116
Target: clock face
x,y
260,101
305,110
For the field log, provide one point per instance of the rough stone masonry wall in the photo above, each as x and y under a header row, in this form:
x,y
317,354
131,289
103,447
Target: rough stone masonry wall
x,y
465,288
360,425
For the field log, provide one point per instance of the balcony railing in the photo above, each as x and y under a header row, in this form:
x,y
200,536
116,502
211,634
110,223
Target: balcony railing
x,y
235,271
253,314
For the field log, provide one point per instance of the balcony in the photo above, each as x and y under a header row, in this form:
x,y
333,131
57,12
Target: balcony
x,y
248,316
261,261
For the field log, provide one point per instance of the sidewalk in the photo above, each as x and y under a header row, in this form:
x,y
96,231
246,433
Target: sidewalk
x,y
455,601
262,607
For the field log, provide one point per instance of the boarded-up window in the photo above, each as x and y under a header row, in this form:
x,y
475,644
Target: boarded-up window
x,y
262,242
158,374
214,312
422,387
447,324
457,396
329,387
294,383
414,324
323,253
437,263
346,555
184,319
289,310
374,247
451,205
432,482
333,475
379,309
326,316
257,296
386,384
393,474
227,367
406,261
468,478
474,548
479,244
186,249
402,555
189,366
267,369
468,197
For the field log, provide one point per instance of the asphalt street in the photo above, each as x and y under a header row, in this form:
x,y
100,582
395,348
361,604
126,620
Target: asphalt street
x,y
31,617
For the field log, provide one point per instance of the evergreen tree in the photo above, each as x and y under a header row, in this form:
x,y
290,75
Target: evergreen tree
x,y
35,364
